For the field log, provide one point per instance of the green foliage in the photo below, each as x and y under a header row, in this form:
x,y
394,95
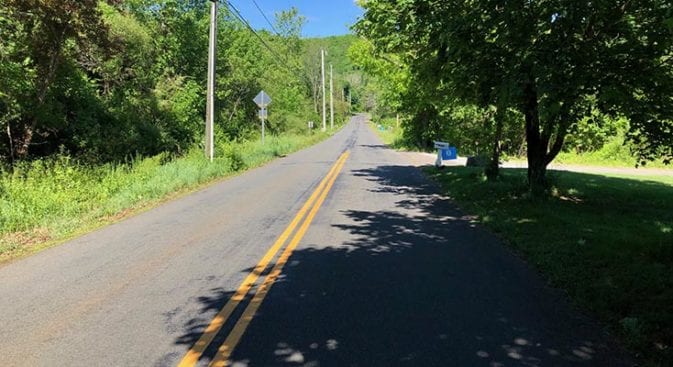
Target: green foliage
x,y
385,94
605,240
128,78
616,152
592,132
17,75
554,63
348,80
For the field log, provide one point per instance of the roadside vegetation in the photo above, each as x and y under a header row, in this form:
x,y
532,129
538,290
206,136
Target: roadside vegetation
x,y
45,201
614,152
533,79
102,106
605,240
102,81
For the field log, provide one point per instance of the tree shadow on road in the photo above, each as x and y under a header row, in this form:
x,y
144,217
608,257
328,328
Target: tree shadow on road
x,y
416,285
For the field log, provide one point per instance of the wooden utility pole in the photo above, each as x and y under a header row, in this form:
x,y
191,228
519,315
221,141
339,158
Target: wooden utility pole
x,y
324,100
331,99
210,97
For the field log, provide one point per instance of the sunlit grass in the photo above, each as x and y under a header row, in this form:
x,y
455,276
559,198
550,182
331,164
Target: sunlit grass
x,y
47,200
390,133
615,153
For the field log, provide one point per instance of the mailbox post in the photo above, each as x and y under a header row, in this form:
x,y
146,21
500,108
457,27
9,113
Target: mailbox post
x,y
439,145
445,152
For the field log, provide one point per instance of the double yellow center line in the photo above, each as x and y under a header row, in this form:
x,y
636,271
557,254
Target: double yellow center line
x,y
311,207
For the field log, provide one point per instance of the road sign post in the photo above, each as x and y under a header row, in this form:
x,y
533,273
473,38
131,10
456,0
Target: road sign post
x,y
262,100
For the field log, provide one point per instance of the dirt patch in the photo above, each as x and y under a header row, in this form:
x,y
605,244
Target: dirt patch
x,y
15,243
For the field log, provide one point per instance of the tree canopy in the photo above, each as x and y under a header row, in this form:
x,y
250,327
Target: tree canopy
x,y
553,62
108,80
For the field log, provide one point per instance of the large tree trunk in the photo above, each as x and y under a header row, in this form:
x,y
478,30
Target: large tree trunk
x,y
539,151
536,143
537,174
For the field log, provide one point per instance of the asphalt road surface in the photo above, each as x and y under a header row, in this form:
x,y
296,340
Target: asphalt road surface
x,y
342,254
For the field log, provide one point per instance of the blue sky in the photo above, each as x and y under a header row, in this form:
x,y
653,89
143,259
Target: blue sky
x,y
324,17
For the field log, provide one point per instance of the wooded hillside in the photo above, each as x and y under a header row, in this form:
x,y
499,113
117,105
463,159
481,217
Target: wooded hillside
x,y
108,80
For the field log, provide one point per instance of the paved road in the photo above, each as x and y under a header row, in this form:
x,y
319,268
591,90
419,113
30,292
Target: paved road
x,y
385,272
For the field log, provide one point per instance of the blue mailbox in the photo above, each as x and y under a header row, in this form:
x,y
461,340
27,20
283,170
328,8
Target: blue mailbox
x,y
445,152
449,153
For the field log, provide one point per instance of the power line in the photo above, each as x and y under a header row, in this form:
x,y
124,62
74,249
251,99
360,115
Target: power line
x,y
267,19
241,18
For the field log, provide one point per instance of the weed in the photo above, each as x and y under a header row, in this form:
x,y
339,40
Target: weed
x,y
51,199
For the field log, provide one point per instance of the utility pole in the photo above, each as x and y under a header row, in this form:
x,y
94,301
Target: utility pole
x,y
210,98
331,99
324,100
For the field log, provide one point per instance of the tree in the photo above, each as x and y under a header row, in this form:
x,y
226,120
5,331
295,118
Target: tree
x,y
104,80
391,73
552,61
16,74
50,24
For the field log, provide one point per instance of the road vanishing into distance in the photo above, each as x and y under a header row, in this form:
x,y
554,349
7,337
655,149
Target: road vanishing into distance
x,y
342,254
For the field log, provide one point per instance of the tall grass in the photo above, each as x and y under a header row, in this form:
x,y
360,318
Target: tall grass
x,y
48,200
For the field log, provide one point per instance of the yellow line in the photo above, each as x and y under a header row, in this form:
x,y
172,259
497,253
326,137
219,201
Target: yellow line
x,y
194,353
224,352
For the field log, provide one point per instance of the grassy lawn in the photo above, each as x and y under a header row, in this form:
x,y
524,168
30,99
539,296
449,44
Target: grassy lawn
x,y
602,158
390,134
607,241
615,153
43,202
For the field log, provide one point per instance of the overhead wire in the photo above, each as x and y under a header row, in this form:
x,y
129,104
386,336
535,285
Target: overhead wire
x,y
237,13
265,17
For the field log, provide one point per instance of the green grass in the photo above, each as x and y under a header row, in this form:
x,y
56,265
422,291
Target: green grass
x,y
613,154
607,241
599,158
47,201
391,135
